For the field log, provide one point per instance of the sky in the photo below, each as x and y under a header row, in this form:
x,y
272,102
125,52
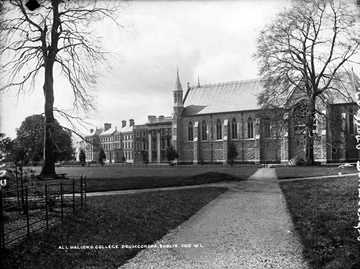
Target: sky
x,y
212,41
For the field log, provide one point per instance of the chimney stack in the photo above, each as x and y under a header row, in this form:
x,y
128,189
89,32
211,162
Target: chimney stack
x,y
107,126
151,118
123,123
131,122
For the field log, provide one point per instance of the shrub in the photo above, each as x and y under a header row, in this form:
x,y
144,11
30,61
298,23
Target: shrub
x,y
232,154
102,156
171,154
82,157
296,161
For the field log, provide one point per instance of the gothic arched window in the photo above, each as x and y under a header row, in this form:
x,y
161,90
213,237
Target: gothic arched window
x,y
218,130
352,126
250,125
266,127
234,129
204,130
299,115
190,131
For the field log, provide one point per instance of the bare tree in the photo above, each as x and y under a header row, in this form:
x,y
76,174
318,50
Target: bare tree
x,y
306,48
57,36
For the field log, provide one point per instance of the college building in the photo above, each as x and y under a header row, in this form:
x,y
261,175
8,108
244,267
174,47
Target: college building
x,y
208,118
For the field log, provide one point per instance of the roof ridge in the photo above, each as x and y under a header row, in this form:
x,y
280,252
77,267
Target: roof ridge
x,y
226,83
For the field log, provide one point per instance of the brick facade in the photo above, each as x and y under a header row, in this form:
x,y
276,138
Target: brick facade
x,y
211,149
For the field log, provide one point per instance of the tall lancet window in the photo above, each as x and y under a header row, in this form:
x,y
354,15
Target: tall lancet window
x,y
352,126
204,130
266,127
218,130
190,131
234,134
250,125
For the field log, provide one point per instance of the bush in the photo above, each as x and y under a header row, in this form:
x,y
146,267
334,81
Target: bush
x,y
296,161
102,157
82,157
232,154
171,154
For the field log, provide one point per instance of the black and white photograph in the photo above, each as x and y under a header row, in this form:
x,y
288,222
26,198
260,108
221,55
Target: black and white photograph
x,y
180,134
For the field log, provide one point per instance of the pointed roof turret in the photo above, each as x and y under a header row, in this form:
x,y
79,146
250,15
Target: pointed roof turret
x,y
178,86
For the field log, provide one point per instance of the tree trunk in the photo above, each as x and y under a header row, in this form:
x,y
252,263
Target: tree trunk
x,y
49,53
49,161
309,134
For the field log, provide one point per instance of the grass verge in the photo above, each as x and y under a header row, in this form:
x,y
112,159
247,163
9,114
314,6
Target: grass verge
x,y
136,219
285,172
324,214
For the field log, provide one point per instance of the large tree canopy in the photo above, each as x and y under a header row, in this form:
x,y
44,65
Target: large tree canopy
x,y
6,146
30,138
56,38
307,48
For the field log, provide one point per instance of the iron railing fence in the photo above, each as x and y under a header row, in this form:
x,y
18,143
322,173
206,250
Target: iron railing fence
x,y
26,210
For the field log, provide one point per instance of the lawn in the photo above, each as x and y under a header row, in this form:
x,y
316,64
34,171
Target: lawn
x,y
285,172
324,215
136,219
94,184
109,171
109,178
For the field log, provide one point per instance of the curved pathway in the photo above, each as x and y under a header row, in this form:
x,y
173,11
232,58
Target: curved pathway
x,y
246,227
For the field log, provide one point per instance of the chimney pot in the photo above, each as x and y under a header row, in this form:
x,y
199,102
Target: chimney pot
x,y
107,126
151,118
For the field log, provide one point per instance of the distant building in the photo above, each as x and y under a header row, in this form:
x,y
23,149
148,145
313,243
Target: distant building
x,y
93,145
131,143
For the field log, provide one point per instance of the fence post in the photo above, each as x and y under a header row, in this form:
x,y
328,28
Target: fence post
x,y
2,228
61,202
27,211
73,192
81,190
17,188
85,190
46,206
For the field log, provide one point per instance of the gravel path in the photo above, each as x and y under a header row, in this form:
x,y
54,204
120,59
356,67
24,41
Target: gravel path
x,y
246,227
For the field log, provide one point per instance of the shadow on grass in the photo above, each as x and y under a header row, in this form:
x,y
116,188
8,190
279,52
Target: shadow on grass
x,y
132,183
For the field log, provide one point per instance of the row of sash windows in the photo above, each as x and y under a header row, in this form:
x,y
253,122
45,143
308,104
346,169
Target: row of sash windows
x,y
219,129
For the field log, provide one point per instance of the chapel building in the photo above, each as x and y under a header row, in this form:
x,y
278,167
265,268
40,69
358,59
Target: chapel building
x,y
207,118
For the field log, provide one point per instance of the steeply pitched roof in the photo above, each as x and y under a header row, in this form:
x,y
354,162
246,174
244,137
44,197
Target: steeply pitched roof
x,y
127,129
97,132
109,131
178,86
223,97
346,89
341,91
